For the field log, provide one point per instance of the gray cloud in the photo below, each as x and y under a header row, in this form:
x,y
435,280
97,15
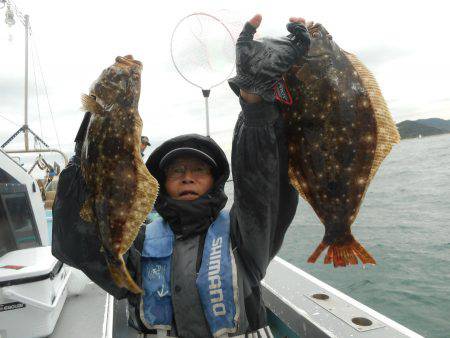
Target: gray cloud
x,y
11,93
412,111
375,56
169,106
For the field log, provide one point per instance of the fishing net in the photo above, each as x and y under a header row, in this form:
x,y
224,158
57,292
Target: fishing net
x,y
203,50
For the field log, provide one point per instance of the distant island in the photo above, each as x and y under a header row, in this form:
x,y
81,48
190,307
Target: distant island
x,y
423,127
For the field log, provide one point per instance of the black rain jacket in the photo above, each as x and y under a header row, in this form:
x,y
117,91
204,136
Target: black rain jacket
x,y
264,206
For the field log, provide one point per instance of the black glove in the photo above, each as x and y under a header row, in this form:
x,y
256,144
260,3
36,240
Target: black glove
x,y
260,64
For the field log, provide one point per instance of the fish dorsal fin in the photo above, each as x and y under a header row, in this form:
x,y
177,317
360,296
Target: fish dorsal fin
x,y
387,133
295,182
88,103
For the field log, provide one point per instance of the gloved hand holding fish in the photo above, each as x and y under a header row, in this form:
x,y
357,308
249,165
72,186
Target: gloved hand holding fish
x,y
121,189
260,64
339,130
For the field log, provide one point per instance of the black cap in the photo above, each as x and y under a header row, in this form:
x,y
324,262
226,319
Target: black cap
x,y
186,151
202,147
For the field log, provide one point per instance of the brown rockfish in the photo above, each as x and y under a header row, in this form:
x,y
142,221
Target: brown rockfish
x,y
121,189
339,130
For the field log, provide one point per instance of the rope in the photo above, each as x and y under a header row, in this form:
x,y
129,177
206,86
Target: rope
x,y
46,92
10,121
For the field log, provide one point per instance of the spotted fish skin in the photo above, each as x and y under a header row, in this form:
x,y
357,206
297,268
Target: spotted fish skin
x,y
121,190
332,132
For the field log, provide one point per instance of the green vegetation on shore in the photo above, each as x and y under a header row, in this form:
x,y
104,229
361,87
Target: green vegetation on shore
x,y
423,127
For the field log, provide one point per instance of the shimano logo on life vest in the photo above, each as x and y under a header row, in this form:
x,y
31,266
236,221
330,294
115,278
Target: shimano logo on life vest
x,y
215,285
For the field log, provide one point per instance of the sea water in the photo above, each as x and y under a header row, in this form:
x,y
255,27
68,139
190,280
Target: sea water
x,y
404,222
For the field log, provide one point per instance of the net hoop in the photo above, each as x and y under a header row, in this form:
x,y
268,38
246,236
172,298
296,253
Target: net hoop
x,y
173,59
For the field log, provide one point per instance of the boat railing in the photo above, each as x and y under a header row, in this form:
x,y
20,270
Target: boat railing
x,y
301,305
12,159
47,150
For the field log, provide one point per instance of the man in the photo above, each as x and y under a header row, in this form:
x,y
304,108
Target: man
x,y
200,266
144,144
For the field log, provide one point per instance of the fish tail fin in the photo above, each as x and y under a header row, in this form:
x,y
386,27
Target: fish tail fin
x,y
362,253
322,246
88,103
343,254
121,276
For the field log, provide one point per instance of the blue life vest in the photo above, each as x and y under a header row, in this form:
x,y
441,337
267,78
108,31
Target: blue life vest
x,y
216,279
156,307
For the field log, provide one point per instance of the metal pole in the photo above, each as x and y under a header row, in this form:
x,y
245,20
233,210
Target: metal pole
x,y
206,96
207,116
26,82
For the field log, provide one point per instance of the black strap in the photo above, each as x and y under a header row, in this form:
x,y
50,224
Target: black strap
x,y
201,244
83,127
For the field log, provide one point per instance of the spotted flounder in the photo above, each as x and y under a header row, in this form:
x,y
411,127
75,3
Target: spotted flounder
x,y
122,191
339,130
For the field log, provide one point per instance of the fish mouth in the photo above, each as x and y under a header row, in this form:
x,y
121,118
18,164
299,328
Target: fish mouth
x,y
128,61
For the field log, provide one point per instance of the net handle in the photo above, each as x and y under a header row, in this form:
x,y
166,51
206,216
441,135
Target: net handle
x,y
173,59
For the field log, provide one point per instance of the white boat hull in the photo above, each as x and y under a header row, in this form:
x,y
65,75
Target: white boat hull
x,y
31,301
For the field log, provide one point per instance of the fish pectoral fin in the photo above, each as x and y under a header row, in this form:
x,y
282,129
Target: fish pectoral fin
x,y
86,212
121,276
343,254
89,104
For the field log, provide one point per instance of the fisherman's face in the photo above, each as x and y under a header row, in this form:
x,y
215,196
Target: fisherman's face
x,y
188,178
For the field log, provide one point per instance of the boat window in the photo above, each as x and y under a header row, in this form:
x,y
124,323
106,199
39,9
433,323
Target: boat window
x,y
17,224
7,243
6,178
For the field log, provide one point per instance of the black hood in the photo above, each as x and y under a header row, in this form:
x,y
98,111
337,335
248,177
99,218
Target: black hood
x,y
188,218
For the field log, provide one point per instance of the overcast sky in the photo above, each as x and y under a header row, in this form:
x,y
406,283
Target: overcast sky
x,y
404,43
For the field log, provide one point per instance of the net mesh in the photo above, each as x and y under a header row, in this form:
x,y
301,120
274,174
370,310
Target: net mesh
x,y
203,50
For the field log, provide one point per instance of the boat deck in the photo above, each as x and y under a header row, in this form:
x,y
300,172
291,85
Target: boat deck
x,y
299,306
83,315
